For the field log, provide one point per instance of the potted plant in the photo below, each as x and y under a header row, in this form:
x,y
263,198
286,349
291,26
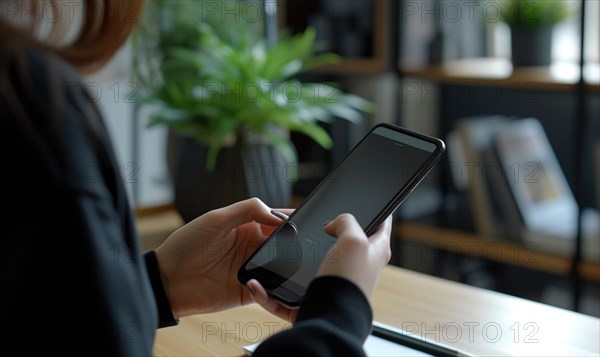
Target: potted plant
x,y
230,101
531,23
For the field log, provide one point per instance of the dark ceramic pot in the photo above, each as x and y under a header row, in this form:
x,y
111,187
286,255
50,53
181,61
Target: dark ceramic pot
x,y
241,172
531,47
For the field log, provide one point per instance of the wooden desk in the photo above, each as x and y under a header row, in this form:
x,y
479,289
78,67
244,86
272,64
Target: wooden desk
x,y
473,320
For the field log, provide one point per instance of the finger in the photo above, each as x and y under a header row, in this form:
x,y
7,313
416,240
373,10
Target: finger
x,y
260,296
345,225
282,214
268,230
383,234
384,230
380,240
287,211
250,210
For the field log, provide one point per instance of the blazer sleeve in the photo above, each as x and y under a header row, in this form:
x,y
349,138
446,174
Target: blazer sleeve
x,y
165,315
334,320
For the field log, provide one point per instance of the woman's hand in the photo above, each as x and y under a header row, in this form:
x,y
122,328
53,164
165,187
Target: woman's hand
x,y
354,256
199,261
260,296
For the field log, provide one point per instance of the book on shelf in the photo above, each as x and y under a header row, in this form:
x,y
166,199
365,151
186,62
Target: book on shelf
x,y
456,200
475,171
535,186
515,184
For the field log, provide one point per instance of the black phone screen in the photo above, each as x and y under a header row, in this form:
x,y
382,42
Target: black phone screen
x,y
367,181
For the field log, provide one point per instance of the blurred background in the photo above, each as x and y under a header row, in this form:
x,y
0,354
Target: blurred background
x,y
319,74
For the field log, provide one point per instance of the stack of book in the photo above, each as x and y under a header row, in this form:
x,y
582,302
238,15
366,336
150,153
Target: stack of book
x,y
515,185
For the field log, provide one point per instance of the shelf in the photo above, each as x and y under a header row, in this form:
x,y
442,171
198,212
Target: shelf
x,y
354,66
500,72
496,250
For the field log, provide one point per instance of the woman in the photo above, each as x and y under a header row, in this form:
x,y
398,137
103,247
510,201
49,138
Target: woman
x,y
70,257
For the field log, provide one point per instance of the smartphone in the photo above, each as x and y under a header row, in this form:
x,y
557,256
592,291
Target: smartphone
x,y
370,183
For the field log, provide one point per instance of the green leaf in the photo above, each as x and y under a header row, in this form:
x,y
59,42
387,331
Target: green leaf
x,y
318,134
216,144
286,147
315,62
345,112
530,14
180,55
297,48
358,103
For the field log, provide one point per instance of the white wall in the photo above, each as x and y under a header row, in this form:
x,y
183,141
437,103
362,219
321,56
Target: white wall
x,y
145,177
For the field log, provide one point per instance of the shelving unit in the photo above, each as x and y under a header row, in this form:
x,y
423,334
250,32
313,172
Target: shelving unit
x,y
473,72
498,73
579,80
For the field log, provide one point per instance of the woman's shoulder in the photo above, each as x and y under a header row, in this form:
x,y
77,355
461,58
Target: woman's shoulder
x,y
48,112
39,84
22,64
53,75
